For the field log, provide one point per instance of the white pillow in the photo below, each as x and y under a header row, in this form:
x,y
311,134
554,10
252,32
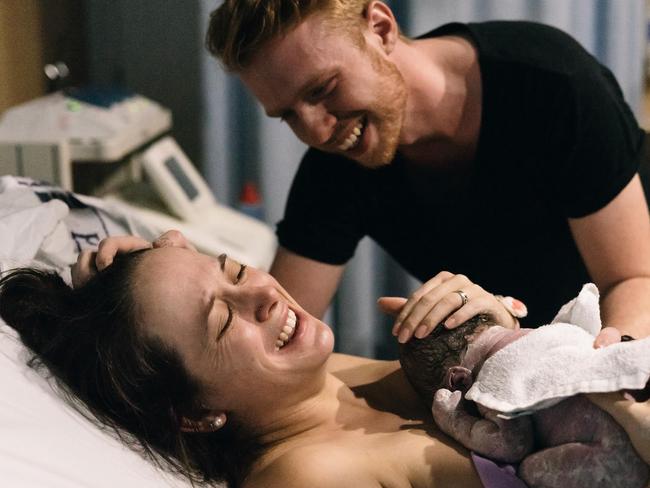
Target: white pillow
x,y
44,442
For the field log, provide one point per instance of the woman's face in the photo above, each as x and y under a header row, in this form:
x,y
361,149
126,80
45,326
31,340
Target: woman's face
x,y
230,325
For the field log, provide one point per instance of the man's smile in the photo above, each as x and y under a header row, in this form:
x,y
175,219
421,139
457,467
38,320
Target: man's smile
x,y
352,137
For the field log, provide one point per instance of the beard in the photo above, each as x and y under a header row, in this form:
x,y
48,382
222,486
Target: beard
x,y
386,114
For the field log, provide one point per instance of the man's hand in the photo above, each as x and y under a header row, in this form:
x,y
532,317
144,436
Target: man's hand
x,y
607,336
90,262
446,297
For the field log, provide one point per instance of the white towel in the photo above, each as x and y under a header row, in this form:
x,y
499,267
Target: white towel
x,y
558,360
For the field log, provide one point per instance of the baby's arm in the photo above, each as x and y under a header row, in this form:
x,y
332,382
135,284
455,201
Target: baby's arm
x,y
493,437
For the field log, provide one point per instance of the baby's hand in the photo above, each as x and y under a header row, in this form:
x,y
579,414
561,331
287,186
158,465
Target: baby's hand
x,y
445,405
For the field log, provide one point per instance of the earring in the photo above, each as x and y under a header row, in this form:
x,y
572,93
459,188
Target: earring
x,y
217,422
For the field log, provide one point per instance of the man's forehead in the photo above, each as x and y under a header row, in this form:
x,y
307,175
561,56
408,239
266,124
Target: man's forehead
x,y
288,64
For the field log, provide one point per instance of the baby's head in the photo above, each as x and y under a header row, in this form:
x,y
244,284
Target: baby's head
x,y
434,362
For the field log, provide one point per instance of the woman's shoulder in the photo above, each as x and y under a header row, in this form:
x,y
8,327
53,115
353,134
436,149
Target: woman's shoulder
x,y
317,466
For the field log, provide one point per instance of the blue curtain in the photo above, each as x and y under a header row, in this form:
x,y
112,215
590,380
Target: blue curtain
x,y
240,144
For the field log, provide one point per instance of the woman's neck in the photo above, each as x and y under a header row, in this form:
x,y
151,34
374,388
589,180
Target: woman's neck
x,y
363,397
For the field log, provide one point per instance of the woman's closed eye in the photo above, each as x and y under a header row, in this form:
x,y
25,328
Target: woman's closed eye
x,y
237,279
232,269
226,326
240,274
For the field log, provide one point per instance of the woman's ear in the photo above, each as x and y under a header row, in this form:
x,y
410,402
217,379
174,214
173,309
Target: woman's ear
x,y
381,22
458,378
208,423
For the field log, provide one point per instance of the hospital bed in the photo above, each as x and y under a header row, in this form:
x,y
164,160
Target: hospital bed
x,y
44,441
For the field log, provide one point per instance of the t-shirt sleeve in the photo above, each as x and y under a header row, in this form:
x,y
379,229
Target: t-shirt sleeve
x,y
323,216
607,147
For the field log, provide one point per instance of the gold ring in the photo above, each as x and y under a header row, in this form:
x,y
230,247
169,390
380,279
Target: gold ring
x,y
463,297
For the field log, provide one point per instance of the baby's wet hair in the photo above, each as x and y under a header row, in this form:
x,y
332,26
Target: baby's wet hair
x,y
425,361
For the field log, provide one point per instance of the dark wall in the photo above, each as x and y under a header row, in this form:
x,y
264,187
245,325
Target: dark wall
x,y
152,47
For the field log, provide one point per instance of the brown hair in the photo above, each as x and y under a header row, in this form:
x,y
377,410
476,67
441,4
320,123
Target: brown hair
x,y
137,387
239,28
425,361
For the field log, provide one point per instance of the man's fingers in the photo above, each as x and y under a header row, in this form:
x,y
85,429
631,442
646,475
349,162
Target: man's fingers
x,y
430,312
110,247
173,238
391,305
415,298
84,268
462,311
607,336
436,303
452,302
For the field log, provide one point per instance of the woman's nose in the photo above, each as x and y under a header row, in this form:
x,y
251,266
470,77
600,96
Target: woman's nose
x,y
259,300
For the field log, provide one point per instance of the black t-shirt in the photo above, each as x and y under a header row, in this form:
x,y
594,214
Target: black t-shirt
x,y
557,140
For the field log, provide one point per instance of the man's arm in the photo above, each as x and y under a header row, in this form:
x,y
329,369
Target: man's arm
x,y
311,283
615,245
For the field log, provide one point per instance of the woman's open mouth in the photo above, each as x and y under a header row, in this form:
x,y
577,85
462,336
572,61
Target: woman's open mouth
x,y
288,331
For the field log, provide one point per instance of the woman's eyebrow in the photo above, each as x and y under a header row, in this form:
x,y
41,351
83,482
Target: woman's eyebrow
x,y
222,260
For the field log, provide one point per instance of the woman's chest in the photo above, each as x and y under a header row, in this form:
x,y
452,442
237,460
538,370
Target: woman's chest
x,y
414,456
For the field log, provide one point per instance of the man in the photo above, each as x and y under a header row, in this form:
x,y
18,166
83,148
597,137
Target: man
x,y
502,151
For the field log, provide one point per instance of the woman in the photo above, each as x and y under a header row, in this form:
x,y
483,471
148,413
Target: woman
x,y
214,368
202,361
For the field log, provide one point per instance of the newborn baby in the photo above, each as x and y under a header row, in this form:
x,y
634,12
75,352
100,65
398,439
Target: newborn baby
x,y
570,444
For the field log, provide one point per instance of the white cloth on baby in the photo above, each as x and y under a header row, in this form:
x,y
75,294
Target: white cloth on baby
x,y
558,360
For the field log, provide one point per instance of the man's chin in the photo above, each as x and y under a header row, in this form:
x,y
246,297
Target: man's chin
x,y
379,158
373,164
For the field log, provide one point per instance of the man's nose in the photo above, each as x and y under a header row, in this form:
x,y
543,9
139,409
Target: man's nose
x,y
317,124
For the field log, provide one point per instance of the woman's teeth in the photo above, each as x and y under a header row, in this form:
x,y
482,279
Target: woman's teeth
x,y
353,139
287,331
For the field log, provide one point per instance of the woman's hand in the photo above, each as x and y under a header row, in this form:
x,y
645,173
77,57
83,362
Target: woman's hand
x,y
446,297
90,262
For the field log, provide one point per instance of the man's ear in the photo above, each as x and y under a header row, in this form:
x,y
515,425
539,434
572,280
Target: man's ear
x,y
208,423
381,22
458,378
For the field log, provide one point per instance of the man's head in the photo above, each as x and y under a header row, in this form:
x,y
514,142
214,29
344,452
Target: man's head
x,y
434,362
323,66
239,28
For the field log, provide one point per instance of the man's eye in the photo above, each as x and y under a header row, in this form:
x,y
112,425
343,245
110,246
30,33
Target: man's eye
x,y
323,90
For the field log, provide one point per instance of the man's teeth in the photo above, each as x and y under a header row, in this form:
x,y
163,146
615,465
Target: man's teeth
x,y
287,330
353,139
